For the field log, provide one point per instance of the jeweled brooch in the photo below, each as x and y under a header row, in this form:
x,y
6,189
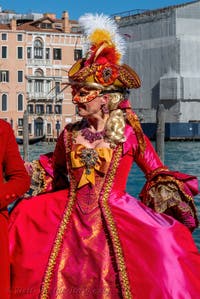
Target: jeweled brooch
x,y
89,157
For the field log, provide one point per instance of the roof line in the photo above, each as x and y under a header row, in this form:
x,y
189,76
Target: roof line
x,y
148,11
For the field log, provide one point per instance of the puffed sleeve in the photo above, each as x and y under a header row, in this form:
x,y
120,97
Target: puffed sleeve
x,y
16,180
49,172
166,191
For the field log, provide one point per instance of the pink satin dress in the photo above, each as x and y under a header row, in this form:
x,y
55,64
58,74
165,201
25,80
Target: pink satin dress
x,y
95,241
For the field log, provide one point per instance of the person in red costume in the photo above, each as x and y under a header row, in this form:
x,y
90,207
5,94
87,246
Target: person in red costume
x,y
85,236
14,182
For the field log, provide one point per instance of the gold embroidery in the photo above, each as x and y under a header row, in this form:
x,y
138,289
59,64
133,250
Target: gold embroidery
x,y
134,122
163,197
112,227
61,231
56,249
113,230
39,181
165,192
156,171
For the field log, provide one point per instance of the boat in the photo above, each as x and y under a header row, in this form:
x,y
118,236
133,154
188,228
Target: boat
x,y
31,140
174,131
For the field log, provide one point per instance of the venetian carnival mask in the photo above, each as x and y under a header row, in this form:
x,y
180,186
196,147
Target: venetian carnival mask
x,y
84,95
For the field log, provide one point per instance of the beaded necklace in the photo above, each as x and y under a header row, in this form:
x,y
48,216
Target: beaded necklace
x,y
91,136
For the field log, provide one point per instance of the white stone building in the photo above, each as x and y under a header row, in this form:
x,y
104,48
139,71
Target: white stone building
x,y
164,48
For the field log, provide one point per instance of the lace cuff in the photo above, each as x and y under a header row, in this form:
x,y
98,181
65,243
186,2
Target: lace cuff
x,y
172,193
41,173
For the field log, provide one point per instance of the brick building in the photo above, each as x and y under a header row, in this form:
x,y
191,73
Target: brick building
x,y
34,59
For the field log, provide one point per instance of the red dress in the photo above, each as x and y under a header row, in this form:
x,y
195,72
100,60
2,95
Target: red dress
x,y
14,181
93,240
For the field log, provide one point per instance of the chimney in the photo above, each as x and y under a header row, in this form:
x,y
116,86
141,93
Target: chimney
x,y
65,21
13,24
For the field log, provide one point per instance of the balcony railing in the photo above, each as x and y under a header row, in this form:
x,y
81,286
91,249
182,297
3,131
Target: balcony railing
x,y
45,96
39,62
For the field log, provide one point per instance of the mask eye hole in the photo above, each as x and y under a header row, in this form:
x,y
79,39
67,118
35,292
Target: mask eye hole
x,y
83,93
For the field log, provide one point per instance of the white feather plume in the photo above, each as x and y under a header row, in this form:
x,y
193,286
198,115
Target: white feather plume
x,y
91,22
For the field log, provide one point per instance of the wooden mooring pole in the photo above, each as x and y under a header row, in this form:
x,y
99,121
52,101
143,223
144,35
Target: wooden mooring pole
x,y
25,136
160,132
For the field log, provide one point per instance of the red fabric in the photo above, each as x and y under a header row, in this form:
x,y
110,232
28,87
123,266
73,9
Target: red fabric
x,y
161,259
14,181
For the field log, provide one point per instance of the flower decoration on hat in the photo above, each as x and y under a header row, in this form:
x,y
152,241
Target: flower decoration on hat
x,y
102,64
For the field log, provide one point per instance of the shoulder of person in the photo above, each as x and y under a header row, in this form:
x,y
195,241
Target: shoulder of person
x,y
74,126
4,126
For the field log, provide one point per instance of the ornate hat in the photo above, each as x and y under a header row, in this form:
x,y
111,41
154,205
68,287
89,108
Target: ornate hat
x,y
102,68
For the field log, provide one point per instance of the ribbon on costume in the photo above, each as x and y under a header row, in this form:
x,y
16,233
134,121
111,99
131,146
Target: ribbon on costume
x,y
99,160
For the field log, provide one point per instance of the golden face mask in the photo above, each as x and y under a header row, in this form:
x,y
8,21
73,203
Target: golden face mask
x,y
84,95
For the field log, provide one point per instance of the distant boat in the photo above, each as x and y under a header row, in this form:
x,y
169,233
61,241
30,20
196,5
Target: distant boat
x,y
31,140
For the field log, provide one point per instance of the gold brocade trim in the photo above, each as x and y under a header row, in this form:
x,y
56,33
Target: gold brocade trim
x,y
59,237
164,197
113,230
168,178
38,178
56,249
108,215
156,171
135,123
179,185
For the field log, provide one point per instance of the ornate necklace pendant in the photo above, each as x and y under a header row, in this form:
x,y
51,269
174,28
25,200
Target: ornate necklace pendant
x,y
89,157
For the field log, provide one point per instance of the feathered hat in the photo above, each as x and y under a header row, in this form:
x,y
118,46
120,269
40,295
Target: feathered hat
x,y
102,68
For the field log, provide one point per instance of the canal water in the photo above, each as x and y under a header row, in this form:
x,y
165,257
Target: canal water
x,y
181,156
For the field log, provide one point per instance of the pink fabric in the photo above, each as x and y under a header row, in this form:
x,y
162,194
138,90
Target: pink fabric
x,y
124,104
161,259
46,163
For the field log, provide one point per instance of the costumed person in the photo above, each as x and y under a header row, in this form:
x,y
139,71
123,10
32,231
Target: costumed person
x,y
14,182
91,239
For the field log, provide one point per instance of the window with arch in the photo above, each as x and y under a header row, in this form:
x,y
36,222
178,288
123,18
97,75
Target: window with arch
x,y
49,127
49,109
4,102
38,49
30,108
58,109
39,109
29,52
39,73
39,83
20,102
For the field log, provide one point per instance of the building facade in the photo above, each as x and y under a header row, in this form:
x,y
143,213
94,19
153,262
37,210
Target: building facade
x,y
36,54
35,57
164,49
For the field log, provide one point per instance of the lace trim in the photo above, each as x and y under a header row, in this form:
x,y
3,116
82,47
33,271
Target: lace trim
x,y
39,181
166,195
163,197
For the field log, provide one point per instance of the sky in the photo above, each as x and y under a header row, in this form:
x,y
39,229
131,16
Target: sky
x,y
78,8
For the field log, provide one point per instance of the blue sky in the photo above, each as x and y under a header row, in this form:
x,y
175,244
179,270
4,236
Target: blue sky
x,y
77,8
